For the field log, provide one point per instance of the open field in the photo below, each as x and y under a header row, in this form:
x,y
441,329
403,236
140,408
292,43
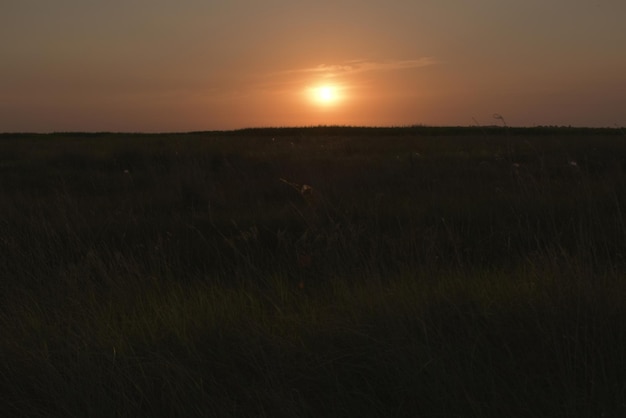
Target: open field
x,y
436,272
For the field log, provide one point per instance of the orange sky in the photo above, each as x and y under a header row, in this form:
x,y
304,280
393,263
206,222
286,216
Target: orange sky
x,y
157,65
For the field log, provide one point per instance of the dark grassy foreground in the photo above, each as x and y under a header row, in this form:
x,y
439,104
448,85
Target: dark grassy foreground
x,y
427,272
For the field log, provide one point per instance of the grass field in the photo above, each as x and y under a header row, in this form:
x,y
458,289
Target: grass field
x,y
314,272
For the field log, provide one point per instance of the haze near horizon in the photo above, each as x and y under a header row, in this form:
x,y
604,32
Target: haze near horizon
x,y
162,66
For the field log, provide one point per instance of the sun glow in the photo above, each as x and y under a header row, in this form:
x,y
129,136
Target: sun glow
x,y
325,95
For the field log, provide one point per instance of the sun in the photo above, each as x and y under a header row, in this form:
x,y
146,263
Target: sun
x,y
325,95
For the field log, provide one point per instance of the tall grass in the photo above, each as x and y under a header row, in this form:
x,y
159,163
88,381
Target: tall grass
x,y
415,276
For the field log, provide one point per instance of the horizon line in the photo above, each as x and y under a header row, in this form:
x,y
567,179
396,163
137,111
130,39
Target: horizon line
x,y
321,126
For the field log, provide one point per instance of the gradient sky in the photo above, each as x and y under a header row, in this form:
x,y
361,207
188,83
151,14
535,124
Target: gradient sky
x,y
189,65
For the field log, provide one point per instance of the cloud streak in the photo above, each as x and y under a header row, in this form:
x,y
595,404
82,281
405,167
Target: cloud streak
x,y
361,66
288,80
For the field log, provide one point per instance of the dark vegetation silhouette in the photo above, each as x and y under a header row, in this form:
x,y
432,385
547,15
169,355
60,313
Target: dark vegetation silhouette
x,y
321,271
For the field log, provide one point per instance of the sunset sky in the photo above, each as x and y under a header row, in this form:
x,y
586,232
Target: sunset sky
x,y
190,65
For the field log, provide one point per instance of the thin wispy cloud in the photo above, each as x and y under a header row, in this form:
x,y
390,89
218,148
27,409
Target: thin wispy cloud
x,y
360,66
287,81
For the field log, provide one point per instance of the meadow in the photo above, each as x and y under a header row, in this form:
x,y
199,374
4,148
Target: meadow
x,y
314,272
